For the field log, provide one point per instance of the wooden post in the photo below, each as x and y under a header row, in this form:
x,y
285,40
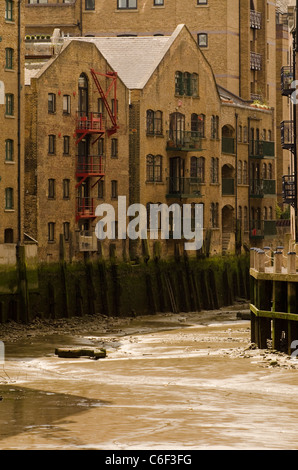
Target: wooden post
x,y
291,264
23,284
278,262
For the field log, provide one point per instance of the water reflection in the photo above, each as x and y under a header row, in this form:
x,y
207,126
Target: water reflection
x,y
23,409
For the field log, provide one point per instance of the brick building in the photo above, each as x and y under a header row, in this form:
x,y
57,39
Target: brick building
x,y
179,139
11,124
238,38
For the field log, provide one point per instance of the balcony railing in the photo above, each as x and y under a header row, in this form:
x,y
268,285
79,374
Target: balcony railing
x,y
260,188
289,189
287,134
85,208
287,77
262,228
184,187
255,19
228,187
87,241
228,145
261,149
92,122
90,166
255,61
184,141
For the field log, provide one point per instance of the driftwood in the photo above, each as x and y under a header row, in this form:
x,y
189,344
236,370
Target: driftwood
x,y
93,353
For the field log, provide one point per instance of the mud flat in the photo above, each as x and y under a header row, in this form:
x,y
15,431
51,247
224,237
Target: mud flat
x,y
187,381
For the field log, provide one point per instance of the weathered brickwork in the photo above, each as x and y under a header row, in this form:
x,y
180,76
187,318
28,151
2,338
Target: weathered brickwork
x,y
11,123
204,163
227,24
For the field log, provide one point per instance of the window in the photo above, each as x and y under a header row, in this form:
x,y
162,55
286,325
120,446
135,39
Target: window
x,y
158,2
264,171
154,122
245,173
100,189
245,219
214,222
51,188
115,107
89,4
9,104
52,144
101,146
201,125
51,103
240,134
9,198
179,90
100,106
66,185
9,58
245,134
114,148
66,104
154,168
9,150
270,172
202,2
9,10
127,4
51,231
66,141
214,170
66,231
239,172
186,84
8,235
203,40
197,168
214,127
114,189
240,215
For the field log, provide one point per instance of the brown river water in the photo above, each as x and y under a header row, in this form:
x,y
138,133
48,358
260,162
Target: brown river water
x,y
187,382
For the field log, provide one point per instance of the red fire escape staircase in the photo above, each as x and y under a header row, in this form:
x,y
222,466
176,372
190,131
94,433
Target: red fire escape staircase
x,y
93,124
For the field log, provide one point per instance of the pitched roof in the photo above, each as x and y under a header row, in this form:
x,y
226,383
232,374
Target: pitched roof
x,y
133,58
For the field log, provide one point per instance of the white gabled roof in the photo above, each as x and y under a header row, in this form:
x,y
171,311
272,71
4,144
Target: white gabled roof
x,y
133,58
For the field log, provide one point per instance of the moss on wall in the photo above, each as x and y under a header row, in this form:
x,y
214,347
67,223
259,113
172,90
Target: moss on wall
x,y
126,289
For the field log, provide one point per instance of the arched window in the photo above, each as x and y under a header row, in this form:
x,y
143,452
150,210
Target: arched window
x,y
270,173
83,94
264,171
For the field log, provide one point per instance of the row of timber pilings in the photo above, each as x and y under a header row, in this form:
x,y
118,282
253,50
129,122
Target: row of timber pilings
x,y
274,306
121,289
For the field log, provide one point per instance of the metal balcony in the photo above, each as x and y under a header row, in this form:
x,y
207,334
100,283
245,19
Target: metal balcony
x,y
91,123
255,61
184,141
289,189
183,188
287,135
287,77
89,166
260,229
228,187
255,19
260,188
261,149
228,145
85,208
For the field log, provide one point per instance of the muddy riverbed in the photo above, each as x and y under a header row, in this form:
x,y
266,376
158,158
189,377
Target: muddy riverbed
x,y
187,381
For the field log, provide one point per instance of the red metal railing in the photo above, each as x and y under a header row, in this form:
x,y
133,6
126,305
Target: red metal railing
x,y
90,166
85,208
90,122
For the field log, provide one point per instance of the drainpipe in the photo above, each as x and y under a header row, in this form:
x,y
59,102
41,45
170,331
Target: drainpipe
x,y
240,77
249,177
236,182
19,123
295,38
81,17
